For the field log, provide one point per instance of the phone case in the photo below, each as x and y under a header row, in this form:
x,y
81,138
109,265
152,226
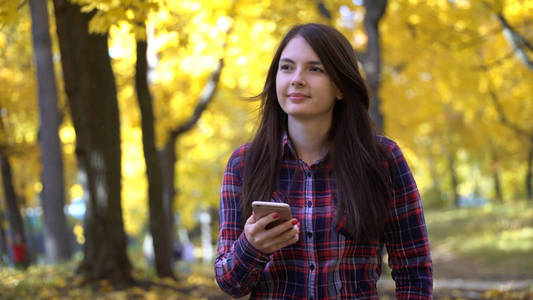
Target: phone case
x,y
262,209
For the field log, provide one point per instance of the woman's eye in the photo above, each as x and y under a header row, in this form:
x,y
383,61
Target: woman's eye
x,y
317,69
285,67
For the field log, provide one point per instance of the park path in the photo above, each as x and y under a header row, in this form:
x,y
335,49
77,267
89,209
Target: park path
x,y
456,277
462,288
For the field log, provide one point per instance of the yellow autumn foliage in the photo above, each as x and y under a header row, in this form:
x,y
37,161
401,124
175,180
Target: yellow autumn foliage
x,y
441,62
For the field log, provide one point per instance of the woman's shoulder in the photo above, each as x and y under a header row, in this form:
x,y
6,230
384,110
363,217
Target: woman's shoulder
x,y
387,144
392,150
237,157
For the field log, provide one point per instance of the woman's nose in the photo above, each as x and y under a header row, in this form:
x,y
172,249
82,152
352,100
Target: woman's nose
x,y
297,79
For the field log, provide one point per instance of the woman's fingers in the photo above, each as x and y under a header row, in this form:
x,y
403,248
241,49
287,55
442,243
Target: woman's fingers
x,y
288,237
291,240
264,221
273,239
282,227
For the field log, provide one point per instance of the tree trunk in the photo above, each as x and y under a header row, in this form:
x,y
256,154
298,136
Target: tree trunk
x,y
435,181
496,174
167,157
159,226
92,96
4,252
13,211
375,9
57,243
453,179
498,194
529,173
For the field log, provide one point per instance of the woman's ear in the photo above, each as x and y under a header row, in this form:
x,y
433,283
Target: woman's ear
x,y
338,93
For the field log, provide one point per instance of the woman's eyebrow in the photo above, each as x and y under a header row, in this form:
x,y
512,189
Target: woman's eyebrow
x,y
288,60
311,62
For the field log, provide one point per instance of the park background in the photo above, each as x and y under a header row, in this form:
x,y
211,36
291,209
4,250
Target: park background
x,y
117,119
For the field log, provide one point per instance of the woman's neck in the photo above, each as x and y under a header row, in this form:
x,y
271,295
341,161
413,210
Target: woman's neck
x,y
309,138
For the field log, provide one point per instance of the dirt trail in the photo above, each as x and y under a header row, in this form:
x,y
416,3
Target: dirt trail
x,y
456,276
450,265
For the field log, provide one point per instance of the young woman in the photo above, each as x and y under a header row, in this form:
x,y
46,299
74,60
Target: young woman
x,y
351,192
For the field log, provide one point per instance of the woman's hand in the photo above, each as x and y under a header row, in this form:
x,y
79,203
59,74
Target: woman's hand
x,y
272,239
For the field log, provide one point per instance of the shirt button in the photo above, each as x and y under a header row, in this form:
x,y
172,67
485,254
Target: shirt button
x,y
311,298
312,267
309,234
309,203
307,173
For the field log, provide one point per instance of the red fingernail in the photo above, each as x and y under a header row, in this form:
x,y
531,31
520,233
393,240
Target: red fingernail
x,y
276,215
294,222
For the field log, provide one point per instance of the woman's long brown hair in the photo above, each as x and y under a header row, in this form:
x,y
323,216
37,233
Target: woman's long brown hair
x,y
363,190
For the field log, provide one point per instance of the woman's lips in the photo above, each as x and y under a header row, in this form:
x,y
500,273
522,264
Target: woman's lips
x,y
297,96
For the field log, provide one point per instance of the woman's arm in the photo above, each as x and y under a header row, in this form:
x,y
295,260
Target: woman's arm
x,y
406,234
238,264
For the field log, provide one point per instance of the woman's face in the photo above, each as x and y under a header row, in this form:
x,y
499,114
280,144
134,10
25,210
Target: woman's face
x,y
303,87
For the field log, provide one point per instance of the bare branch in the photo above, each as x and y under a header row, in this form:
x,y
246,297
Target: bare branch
x,y
494,63
323,10
22,4
475,40
517,41
208,92
503,117
207,95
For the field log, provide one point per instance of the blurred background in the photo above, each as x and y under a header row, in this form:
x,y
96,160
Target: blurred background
x,y
117,119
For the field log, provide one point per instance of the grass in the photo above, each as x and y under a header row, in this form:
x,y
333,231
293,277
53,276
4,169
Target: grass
x,y
59,281
500,236
497,236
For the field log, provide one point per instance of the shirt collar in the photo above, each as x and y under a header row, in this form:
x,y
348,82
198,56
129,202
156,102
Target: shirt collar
x,y
287,150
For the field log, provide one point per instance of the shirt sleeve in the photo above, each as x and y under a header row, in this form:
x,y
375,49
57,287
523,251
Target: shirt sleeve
x,y
406,234
238,265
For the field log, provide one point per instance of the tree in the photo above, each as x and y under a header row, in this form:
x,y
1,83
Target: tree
x,y
18,120
159,167
163,191
4,252
520,47
371,56
57,241
371,59
520,132
518,42
435,91
18,236
160,212
159,222
91,91
168,155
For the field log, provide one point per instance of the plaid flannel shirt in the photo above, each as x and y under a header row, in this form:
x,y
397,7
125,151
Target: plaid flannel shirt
x,y
325,263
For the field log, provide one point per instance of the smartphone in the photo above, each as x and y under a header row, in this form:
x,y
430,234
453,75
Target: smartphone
x,y
262,208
